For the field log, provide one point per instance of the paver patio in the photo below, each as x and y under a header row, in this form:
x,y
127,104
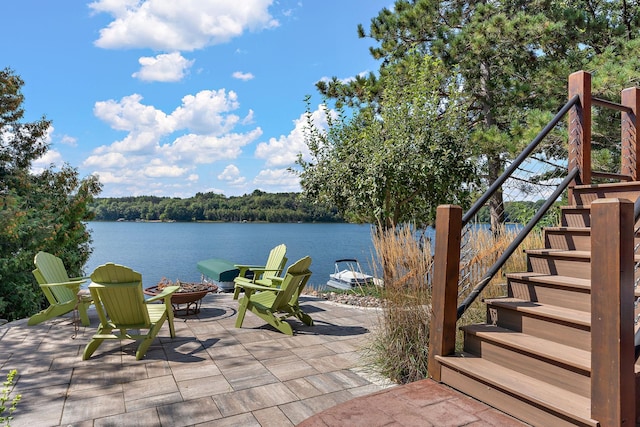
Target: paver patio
x,y
211,374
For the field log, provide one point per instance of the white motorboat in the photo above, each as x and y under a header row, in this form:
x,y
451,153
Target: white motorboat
x,y
348,274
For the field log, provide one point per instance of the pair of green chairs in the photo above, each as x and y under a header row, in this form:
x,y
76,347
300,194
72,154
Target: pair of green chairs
x,y
117,294
276,299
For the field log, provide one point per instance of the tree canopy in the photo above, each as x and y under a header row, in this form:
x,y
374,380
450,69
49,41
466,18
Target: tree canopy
x,y
399,155
38,211
512,59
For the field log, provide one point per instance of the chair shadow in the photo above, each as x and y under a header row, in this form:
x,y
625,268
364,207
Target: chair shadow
x,y
319,328
209,313
311,308
330,329
173,355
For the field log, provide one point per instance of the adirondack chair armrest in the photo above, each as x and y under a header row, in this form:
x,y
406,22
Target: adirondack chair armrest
x,y
256,287
166,292
249,267
72,284
245,267
79,279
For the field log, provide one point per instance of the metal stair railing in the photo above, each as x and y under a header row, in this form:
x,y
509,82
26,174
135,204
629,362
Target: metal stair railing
x,y
497,185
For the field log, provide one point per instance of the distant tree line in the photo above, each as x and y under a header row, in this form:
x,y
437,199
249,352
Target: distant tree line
x,y
257,206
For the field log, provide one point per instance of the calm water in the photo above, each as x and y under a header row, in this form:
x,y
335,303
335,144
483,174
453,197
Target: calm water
x,y
172,250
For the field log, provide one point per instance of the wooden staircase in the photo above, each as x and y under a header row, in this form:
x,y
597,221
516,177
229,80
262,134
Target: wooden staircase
x,y
532,358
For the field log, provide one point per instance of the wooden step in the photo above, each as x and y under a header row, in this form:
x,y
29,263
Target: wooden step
x,y
525,397
558,324
572,238
585,194
575,216
560,262
563,262
561,291
557,364
568,238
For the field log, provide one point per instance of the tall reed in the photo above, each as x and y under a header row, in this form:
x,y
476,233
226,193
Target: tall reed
x,y
400,345
399,349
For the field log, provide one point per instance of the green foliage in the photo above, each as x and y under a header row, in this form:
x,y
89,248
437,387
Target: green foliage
x,y
43,211
511,59
394,160
521,212
257,206
5,396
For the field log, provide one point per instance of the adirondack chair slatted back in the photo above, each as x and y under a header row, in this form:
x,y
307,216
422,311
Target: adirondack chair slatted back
x,y
295,275
276,262
117,291
50,269
55,295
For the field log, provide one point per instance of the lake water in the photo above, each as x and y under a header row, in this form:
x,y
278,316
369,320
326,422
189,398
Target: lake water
x,y
172,250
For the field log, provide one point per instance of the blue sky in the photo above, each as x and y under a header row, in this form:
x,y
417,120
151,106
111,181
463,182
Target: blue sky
x,y
170,98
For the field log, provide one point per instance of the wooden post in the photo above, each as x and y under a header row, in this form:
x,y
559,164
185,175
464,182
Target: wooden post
x,y
444,297
630,136
612,340
580,129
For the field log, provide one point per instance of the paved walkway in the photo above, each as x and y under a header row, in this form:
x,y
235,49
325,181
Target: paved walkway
x,y
213,374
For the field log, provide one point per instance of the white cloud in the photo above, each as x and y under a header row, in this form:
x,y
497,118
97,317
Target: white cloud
x,y
161,150
284,150
231,174
242,76
107,160
282,179
129,114
204,112
168,67
163,171
185,25
69,140
205,149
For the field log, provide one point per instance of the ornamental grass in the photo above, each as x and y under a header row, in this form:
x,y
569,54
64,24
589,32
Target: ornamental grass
x,y
399,349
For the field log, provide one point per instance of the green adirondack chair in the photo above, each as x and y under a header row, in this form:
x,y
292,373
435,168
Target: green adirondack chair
x,y
62,292
262,274
275,304
120,304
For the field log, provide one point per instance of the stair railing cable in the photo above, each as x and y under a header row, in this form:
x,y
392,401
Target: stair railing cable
x,y
516,242
496,186
518,160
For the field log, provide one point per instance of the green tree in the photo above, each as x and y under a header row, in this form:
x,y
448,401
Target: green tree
x,y
41,211
512,57
397,157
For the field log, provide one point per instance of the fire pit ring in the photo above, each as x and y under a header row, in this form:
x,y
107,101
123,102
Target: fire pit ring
x,y
189,295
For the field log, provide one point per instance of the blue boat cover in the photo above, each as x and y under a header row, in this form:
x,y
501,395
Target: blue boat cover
x,y
218,269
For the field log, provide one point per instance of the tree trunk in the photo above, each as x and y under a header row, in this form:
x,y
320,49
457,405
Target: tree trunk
x,y
496,202
494,163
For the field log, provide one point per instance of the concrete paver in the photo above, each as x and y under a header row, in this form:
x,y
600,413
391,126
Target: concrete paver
x,y
213,374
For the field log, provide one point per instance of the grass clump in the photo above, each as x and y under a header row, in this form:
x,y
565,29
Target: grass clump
x,y
400,345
